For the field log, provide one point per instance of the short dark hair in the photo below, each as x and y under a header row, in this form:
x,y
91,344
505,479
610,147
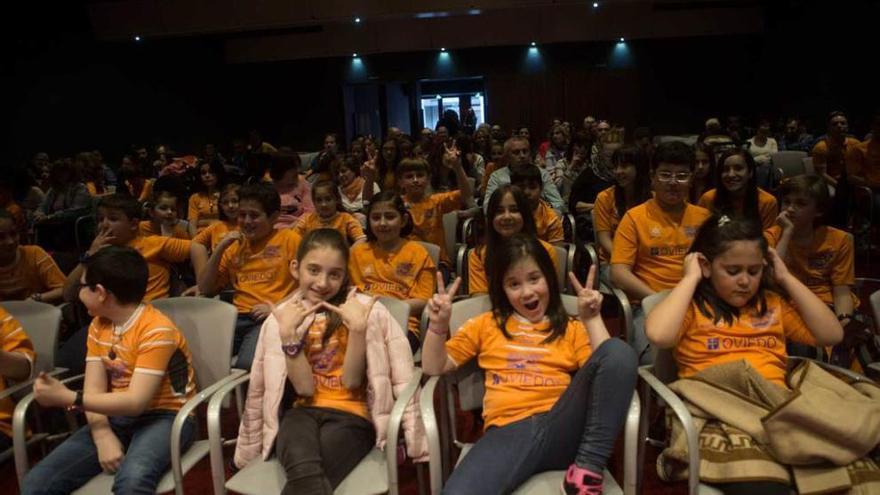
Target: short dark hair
x,y
121,270
526,174
263,194
281,163
334,191
398,204
811,186
413,165
675,153
124,203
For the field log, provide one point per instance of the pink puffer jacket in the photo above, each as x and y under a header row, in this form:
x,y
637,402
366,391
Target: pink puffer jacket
x,y
389,369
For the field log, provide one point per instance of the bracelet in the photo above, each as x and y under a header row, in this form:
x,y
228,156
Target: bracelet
x,y
37,296
77,402
844,316
438,332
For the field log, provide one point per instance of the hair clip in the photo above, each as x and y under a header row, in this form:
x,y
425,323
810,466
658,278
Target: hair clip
x,y
724,220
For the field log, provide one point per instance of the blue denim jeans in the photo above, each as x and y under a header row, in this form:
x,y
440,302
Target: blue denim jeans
x,y
583,424
146,440
247,332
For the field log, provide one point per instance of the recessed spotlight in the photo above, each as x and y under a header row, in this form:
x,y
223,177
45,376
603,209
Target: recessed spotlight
x,y
443,50
357,20
354,55
533,44
622,40
595,5
137,38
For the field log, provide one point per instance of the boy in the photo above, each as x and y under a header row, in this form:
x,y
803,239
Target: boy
x,y
652,239
138,375
256,260
413,178
547,221
26,271
16,362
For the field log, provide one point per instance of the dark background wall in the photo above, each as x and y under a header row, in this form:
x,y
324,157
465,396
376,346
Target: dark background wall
x,y
66,92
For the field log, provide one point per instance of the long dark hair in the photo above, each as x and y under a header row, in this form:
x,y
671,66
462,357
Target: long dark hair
x,y
709,180
633,155
712,240
398,204
328,238
723,202
520,247
217,169
494,240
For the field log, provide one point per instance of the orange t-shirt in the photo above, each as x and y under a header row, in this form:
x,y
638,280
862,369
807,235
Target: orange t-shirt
x,y
327,361
478,282
203,206
160,253
148,343
18,216
832,159
407,273
759,340
490,167
259,272
548,223
214,233
524,375
34,271
863,160
146,228
768,208
13,338
146,191
654,244
427,218
341,222
607,218
828,261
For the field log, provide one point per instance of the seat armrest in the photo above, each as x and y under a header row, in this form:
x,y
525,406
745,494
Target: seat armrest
x,y
215,435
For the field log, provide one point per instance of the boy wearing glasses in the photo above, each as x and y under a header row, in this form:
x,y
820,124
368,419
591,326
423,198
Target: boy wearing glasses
x,y
138,375
652,239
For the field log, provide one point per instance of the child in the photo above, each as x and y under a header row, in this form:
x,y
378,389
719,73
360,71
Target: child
x,y
204,204
255,260
544,371
495,162
704,172
427,210
327,214
504,217
738,192
16,362
351,187
26,271
138,375
652,239
726,295
548,225
228,216
630,168
389,264
163,217
315,345
292,188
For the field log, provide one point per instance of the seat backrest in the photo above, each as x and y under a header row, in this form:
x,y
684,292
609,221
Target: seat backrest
x,y
469,377
41,322
664,363
450,224
433,250
562,267
809,168
209,328
875,306
790,162
399,310
461,267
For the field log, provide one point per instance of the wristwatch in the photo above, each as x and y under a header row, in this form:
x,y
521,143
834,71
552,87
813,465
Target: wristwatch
x,y
292,350
77,402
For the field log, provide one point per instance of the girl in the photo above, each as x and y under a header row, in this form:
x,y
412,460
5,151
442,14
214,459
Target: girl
x,y
315,346
294,189
557,151
386,161
557,387
163,217
727,294
495,162
633,187
228,216
389,264
738,193
351,187
504,218
704,172
204,204
327,214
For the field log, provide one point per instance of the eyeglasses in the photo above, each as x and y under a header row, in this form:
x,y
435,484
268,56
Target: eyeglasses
x,y
667,177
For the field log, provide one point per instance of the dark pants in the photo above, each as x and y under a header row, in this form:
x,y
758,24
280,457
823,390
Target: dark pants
x,y
319,447
247,331
583,424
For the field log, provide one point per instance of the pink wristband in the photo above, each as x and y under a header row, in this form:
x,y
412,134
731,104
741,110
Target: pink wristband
x,y
433,329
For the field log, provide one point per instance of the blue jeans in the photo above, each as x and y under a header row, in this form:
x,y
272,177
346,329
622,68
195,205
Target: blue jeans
x,y
583,424
247,331
146,440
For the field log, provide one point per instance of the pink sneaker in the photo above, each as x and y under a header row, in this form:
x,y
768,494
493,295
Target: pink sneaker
x,y
580,481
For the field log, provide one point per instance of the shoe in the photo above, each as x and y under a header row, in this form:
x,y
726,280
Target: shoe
x,y
580,481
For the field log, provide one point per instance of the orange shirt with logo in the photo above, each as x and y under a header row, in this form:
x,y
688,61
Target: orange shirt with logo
x,y
160,253
427,218
147,343
327,360
407,273
606,217
759,340
341,222
654,244
827,261
13,338
33,272
478,282
834,156
259,272
203,206
524,375
214,233
146,229
768,207
548,223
